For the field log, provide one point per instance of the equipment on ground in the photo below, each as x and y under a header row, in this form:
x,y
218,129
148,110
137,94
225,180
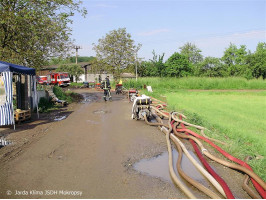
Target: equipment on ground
x,y
118,88
132,93
141,107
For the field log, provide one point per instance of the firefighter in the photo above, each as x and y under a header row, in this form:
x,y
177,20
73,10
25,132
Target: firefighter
x,y
100,79
106,88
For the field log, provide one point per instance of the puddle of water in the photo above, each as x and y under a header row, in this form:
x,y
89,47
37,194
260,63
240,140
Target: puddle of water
x,y
158,167
88,98
59,118
86,101
99,112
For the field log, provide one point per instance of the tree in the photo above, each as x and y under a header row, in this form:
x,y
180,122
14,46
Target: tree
x,y
178,66
153,67
147,68
235,59
81,59
117,50
73,70
31,32
211,67
257,61
157,64
192,52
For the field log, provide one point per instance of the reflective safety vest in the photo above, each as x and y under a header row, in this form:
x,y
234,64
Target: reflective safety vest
x,y
105,85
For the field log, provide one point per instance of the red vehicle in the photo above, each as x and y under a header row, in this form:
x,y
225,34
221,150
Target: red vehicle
x,y
42,80
58,78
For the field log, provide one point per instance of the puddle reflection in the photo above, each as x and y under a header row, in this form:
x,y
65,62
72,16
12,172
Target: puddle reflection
x,y
158,166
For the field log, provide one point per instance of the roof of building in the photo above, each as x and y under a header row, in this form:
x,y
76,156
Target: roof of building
x,y
127,75
82,64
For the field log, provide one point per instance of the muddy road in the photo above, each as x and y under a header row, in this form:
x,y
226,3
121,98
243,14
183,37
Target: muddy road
x,y
92,150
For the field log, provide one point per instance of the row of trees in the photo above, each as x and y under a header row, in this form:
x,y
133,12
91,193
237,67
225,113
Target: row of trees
x,y
190,62
117,52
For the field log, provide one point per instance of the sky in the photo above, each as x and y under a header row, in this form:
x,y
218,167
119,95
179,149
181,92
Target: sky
x,y
166,25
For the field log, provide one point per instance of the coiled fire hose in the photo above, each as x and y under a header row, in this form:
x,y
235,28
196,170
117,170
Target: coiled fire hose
x,y
256,180
160,112
228,192
246,187
261,186
170,160
228,164
200,187
171,169
225,187
201,169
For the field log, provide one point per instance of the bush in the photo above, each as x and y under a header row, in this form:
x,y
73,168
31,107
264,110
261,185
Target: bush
x,y
60,94
45,104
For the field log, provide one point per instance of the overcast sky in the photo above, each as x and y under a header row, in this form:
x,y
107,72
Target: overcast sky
x,y
165,25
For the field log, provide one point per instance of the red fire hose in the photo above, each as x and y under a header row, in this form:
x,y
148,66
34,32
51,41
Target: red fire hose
x,y
225,187
258,187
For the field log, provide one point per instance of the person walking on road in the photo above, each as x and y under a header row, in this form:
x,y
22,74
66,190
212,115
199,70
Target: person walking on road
x,y
106,89
100,79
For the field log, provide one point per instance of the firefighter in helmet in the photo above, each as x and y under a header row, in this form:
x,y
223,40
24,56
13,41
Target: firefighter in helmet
x,y
106,88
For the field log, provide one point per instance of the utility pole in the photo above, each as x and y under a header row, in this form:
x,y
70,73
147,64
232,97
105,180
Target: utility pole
x,y
77,48
136,67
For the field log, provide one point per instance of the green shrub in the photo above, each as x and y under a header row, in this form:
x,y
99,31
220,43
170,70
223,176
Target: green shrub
x,y
45,104
60,94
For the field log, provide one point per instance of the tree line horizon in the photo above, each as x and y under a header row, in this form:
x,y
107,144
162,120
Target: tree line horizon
x,y
236,61
116,52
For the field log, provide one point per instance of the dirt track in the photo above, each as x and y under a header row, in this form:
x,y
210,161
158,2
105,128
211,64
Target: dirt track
x,y
91,153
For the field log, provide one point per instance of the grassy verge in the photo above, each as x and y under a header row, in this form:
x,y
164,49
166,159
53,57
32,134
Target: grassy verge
x,y
75,85
237,118
174,84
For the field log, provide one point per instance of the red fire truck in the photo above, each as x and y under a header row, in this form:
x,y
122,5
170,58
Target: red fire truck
x,y
58,78
42,80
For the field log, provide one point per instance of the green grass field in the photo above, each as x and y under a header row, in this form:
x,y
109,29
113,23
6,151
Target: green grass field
x,y
236,117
